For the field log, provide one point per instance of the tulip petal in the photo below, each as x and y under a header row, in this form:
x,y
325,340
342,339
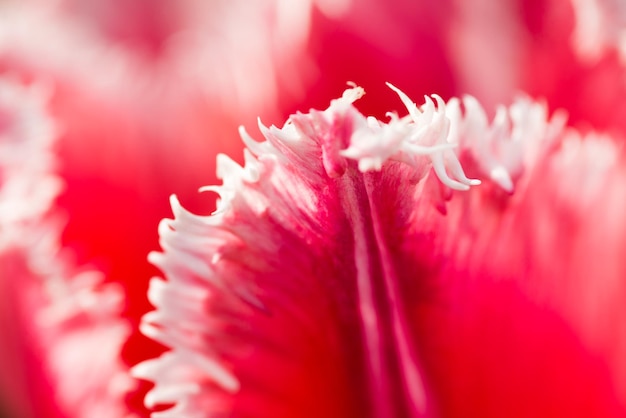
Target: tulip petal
x,y
62,323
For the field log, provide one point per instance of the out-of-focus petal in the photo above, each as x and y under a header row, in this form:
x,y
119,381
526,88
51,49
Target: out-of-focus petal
x,y
592,92
566,52
486,48
600,28
60,327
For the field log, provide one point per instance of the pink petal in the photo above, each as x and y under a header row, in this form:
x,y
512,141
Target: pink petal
x,y
61,324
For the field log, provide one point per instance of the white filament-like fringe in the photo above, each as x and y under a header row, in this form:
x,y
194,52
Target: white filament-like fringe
x,y
190,246
503,148
439,132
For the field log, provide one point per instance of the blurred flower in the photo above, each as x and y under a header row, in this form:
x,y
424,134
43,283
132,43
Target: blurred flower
x,y
60,325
